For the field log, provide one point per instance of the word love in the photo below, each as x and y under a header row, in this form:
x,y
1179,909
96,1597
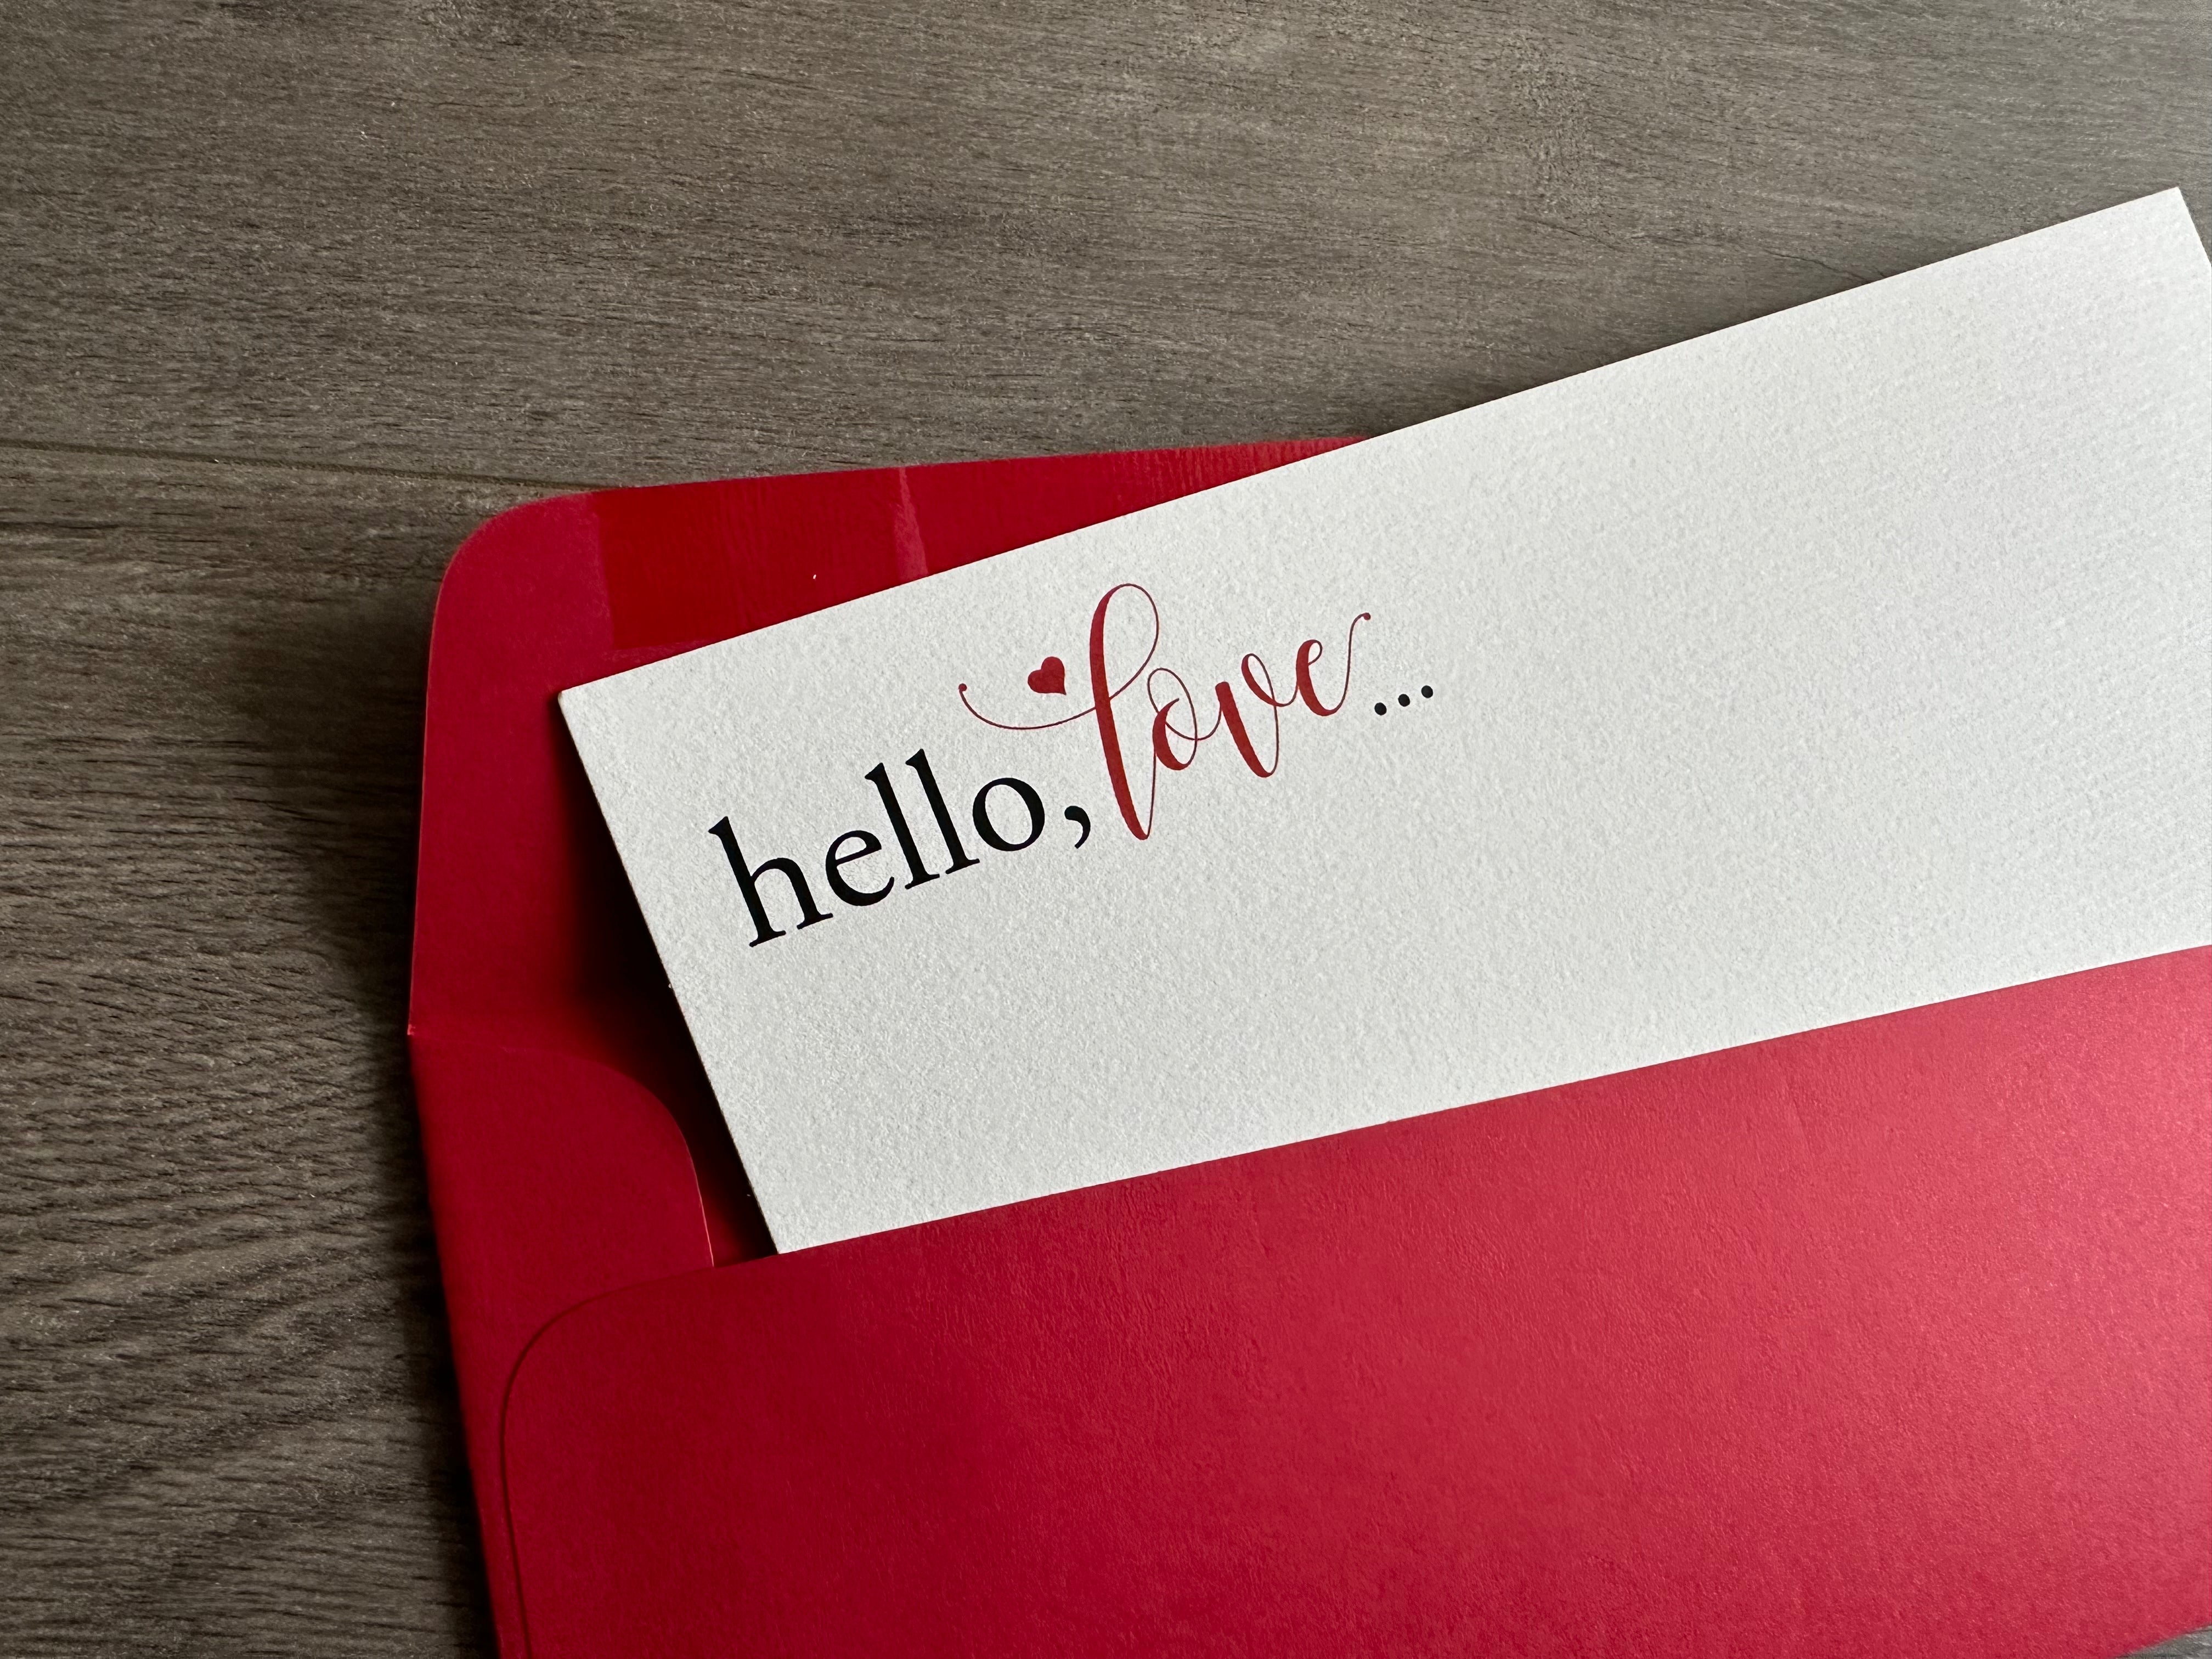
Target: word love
x,y
842,866
1178,721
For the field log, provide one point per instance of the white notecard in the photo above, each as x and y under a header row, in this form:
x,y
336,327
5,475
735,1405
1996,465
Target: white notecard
x,y
1853,658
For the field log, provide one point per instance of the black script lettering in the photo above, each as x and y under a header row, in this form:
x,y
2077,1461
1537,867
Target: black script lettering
x,y
919,762
748,879
1030,800
833,867
912,853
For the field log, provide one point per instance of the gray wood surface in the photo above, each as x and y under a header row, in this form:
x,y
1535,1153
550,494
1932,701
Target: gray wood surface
x,y
292,295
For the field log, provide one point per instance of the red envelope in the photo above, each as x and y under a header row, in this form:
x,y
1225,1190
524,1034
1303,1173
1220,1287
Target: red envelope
x,y
1891,1337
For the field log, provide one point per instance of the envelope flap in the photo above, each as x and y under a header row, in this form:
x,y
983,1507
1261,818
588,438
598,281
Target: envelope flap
x,y
1893,1337
572,1143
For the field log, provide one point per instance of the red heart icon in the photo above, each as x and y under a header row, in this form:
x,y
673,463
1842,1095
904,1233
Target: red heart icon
x,y
1049,676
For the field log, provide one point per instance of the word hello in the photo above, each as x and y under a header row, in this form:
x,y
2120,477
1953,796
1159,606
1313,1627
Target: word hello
x,y
844,870
1179,722
1008,815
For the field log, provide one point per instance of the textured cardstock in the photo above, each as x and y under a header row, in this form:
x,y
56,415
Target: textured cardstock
x,y
1850,659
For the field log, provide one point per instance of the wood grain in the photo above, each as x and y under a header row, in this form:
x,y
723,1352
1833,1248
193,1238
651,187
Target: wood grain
x,y
291,296
583,239
225,1420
